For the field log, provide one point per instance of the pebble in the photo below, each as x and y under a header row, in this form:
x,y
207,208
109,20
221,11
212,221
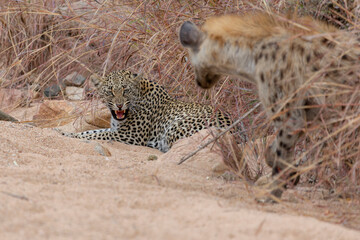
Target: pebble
x,y
74,93
74,79
102,150
52,91
152,158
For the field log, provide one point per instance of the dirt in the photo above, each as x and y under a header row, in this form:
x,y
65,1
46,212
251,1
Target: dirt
x,y
53,187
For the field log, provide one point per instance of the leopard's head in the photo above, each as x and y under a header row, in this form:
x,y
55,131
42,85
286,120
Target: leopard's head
x,y
120,92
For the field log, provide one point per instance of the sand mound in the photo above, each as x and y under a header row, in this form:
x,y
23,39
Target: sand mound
x,y
54,187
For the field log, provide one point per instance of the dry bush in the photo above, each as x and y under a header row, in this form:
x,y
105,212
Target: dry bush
x,y
342,14
41,42
44,41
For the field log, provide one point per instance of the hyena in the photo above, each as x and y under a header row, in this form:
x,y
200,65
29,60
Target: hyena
x,y
305,71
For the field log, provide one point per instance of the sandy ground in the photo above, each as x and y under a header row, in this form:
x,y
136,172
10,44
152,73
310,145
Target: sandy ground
x,y
53,187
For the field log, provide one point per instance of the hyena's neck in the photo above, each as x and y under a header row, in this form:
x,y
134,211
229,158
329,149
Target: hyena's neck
x,y
234,59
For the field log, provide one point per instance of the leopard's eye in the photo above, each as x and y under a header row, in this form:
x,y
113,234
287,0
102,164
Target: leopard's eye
x,y
113,91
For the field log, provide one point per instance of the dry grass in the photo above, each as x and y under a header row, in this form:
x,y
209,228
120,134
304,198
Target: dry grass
x,y
41,42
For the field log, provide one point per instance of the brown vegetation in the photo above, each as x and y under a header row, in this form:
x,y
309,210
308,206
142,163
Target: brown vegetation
x,y
42,42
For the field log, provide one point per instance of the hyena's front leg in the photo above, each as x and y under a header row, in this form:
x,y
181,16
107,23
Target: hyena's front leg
x,y
280,155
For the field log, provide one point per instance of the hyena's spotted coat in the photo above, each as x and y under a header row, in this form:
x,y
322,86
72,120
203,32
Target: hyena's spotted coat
x,y
304,70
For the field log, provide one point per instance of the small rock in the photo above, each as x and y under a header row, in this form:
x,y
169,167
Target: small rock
x,y
152,158
74,93
219,168
102,150
52,91
74,79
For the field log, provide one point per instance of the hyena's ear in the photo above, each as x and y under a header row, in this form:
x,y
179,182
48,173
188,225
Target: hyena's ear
x,y
190,36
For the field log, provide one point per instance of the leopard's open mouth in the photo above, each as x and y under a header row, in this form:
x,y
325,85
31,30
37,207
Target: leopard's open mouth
x,y
119,114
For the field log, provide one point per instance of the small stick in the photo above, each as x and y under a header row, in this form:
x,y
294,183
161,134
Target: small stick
x,y
219,135
15,196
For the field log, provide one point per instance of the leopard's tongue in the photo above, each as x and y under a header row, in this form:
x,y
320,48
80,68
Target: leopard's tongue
x,y
120,114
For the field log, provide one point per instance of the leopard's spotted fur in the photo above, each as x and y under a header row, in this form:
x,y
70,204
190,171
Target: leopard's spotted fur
x,y
144,114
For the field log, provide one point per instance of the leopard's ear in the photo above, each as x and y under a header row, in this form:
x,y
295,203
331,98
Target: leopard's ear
x,y
96,80
136,82
190,36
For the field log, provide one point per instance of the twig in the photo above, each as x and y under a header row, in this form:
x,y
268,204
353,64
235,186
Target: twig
x,y
15,196
219,135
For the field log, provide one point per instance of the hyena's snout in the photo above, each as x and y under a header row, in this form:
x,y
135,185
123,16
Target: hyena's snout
x,y
206,79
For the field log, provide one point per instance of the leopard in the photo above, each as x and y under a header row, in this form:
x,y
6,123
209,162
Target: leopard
x,y
306,73
144,114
